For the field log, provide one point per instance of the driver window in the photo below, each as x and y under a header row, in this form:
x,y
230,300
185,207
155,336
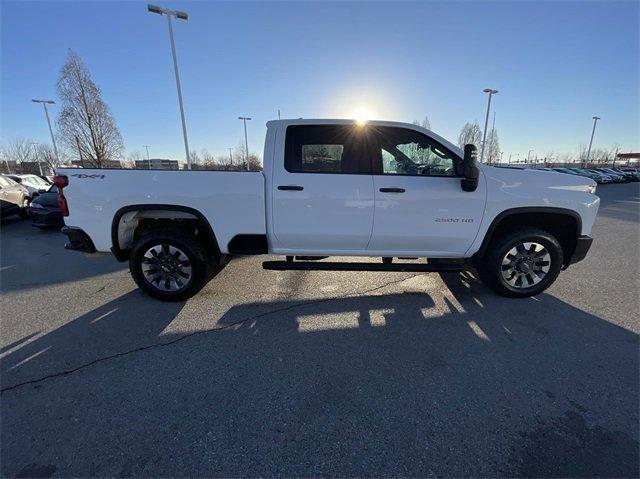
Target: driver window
x,y
408,152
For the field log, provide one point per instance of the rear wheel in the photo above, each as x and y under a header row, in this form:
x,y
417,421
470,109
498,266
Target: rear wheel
x,y
170,266
522,263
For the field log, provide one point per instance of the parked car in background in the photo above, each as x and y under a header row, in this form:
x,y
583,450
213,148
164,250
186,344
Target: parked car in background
x,y
15,194
45,210
597,177
635,173
626,176
34,184
567,171
614,177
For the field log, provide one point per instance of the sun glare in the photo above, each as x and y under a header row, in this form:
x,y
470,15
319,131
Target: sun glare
x,y
361,115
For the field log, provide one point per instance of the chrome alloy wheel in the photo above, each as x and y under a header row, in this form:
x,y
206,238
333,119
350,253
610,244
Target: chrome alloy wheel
x,y
166,268
525,265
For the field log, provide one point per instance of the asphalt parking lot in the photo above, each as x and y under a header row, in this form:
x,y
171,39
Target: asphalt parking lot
x,y
319,373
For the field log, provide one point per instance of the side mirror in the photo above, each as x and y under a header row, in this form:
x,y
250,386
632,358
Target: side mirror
x,y
469,168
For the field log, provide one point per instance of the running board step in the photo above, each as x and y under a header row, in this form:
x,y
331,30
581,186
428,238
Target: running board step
x,y
335,266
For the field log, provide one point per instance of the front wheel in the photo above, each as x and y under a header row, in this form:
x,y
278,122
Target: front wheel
x,y
523,263
23,212
169,266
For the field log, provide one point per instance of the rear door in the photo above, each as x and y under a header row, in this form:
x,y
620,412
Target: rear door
x,y
420,207
322,198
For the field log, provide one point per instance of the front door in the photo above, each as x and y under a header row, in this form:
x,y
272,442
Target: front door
x,y
420,207
322,198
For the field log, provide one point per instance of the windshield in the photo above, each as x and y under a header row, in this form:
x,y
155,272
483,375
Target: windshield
x,y
10,181
35,181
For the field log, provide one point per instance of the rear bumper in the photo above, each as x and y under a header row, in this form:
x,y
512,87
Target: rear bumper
x,y
46,218
583,244
78,240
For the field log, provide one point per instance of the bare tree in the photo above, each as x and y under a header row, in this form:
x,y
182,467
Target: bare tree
x,y
19,150
493,146
130,160
471,133
45,154
424,124
85,122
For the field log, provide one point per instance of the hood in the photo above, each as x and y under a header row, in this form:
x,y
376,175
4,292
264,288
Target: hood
x,y
538,178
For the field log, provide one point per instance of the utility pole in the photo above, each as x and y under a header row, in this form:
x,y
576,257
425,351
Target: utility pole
x,y
615,156
147,148
246,143
278,113
179,16
595,120
486,120
230,155
44,103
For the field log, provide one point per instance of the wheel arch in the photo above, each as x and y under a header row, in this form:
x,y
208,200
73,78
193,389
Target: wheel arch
x,y
563,223
185,212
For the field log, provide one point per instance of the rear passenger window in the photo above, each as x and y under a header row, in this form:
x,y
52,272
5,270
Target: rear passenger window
x,y
334,149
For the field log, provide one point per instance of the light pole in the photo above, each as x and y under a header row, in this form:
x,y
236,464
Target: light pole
x,y
46,112
147,148
179,16
230,155
246,143
595,120
529,155
486,120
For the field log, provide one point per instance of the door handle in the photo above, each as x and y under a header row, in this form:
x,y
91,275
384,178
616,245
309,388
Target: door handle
x,y
290,188
391,190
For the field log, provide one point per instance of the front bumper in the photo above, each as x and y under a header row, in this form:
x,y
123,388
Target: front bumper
x,y
583,243
78,240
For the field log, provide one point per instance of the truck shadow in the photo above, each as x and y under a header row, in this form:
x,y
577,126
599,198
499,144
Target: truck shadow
x,y
466,384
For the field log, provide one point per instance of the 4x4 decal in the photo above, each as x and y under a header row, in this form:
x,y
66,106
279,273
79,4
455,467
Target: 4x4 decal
x,y
83,176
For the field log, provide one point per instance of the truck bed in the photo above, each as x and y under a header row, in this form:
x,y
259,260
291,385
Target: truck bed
x,y
232,201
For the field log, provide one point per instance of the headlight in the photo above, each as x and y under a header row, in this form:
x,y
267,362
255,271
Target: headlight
x,y
591,189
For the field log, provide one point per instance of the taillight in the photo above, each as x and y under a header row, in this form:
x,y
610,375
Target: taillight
x,y
62,203
61,181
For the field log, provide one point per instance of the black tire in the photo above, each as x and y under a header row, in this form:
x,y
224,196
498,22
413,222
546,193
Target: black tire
x,y
490,267
199,261
23,212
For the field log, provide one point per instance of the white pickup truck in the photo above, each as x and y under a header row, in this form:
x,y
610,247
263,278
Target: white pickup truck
x,y
336,188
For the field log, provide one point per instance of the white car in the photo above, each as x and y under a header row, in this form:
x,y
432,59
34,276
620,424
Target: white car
x,y
336,188
33,183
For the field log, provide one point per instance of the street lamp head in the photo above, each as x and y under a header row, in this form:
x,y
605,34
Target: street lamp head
x,y
244,118
181,15
50,102
490,90
155,9
596,117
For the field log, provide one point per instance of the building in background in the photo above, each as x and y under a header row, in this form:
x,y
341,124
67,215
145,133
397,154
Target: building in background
x,y
630,158
157,164
105,164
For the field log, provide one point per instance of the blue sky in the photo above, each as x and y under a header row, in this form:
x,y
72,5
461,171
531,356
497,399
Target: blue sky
x,y
556,65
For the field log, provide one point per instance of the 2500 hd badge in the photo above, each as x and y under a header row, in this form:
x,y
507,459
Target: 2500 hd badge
x,y
454,220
